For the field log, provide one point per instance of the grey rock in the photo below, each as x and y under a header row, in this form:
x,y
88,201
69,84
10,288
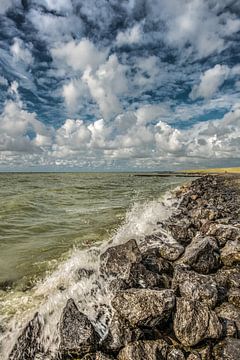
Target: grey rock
x,y
97,356
230,254
228,349
147,350
118,260
119,334
229,312
140,277
194,286
175,354
77,334
202,255
143,306
194,322
28,344
153,261
223,233
234,296
202,353
168,248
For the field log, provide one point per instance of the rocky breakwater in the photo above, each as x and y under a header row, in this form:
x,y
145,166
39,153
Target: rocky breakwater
x,y
175,293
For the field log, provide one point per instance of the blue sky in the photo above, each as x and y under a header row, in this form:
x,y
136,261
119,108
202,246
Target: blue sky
x,y
119,85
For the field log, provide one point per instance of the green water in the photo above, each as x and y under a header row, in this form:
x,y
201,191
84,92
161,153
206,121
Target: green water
x,y
43,216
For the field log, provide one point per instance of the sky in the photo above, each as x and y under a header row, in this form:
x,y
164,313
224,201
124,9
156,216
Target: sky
x,y
110,85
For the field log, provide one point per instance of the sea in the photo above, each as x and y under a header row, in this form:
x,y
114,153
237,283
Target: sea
x,y
52,225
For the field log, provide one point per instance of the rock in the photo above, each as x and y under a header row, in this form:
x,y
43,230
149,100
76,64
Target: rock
x,y
28,344
180,229
228,349
153,261
118,260
168,248
194,322
202,255
194,286
77,334
144,350
119,334
140,277
175,354
230,254
85,273
144,307
234,297
229,312
97,356
223,233
203,353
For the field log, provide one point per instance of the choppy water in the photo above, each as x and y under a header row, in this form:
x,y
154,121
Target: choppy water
x,y
47,224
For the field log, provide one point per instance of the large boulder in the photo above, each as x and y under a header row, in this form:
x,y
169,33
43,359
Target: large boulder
x,y
194,286
168,248
140,277
143,306
230,254
147,350
228,349
229,312
194,322
202,255
153,261
28,344
222,232
118,260
119,334
77,334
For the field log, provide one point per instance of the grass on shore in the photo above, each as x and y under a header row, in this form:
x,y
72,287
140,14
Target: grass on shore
x,y
234,170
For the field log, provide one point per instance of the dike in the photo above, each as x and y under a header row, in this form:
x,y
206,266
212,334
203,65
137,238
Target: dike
x,y
176,293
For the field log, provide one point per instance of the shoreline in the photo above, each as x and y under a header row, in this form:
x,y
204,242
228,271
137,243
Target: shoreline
x,y
164,287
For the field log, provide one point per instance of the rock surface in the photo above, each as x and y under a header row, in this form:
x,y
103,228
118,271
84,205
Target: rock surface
x,y
77,334
143,306
194,322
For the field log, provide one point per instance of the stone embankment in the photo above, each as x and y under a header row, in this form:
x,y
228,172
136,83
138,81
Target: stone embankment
x,y
176,293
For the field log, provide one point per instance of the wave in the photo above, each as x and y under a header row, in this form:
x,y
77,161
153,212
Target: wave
x,y
78,278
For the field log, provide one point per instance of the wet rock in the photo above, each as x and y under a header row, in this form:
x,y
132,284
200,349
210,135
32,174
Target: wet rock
x,y
229,312
175,354
153,261
85,273
230,254
181,230
202,255
228,349
202,353
234,297
118,260
194,322
77,334
147,350
168,248
97,356
28,344
223,233
140,277
194,286
119,334
143,306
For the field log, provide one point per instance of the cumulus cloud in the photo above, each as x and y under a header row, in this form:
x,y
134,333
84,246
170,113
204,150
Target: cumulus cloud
x,y
210,82
130,36
20,52
106,84
79,55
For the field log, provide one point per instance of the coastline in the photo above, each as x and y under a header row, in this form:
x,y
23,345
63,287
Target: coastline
x,y
175,293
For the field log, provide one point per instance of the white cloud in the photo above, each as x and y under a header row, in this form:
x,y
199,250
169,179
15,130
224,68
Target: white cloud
x,y
5,5
72,93
3,81
79,55
210,82
130,36
20,52
106,84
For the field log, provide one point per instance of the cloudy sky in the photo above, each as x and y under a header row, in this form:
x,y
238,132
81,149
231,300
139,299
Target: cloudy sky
x,y
119,85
